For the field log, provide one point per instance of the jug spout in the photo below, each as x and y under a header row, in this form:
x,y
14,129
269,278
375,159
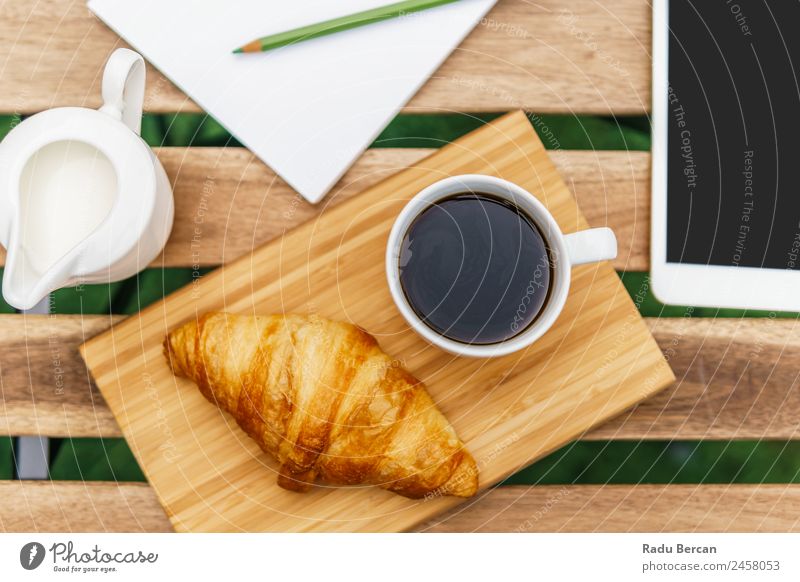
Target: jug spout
x,y
24,286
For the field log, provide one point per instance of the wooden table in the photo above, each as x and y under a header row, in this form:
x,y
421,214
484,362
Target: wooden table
x,y
582,57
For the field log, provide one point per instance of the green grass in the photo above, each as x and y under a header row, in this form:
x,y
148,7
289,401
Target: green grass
x,y
638,286
614,462
580,462
6,460
626,462
423,131
93,460
124,297
559,131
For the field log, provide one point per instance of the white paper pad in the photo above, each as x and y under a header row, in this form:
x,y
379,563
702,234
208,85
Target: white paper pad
x,y
308,110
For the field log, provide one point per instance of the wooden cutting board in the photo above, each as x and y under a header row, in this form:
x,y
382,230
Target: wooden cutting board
x,y
597,361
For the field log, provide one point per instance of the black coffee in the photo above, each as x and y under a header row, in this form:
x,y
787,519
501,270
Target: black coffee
x,y
475,269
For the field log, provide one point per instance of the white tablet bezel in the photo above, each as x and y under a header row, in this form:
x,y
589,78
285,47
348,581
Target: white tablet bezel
x,y
688,284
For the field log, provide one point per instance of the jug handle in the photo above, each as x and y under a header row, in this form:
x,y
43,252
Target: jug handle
x,y
123,88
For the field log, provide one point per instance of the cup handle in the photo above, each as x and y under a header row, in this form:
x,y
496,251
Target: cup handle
x,y
123,88
591,246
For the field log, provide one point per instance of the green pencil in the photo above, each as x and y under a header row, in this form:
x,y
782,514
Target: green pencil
x,y
338,24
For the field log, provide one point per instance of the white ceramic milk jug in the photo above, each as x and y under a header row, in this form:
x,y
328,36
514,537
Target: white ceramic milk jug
x,y
83,199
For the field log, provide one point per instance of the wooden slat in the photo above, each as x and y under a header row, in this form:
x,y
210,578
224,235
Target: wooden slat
x,y
74,506
737,378
587,56
629,508
94,506
45,388
228,202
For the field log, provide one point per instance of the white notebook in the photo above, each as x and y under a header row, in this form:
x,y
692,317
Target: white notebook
x,y
309,110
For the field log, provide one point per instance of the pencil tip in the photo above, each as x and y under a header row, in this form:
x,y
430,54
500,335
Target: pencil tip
x,y
251,47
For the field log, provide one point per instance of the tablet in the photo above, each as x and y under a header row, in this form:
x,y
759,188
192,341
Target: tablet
x,y
726,153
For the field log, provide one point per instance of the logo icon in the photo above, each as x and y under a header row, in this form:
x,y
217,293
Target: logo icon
x,y
31,555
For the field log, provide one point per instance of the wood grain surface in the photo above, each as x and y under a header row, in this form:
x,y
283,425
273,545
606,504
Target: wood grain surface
x,y
75,506
737,379
64,506
585,57
45,388
597,361
628,508
227,201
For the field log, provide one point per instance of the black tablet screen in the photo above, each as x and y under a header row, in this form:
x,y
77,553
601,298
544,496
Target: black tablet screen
x,y
733,177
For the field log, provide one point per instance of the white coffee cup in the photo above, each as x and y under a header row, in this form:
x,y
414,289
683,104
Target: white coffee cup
x,y
566,251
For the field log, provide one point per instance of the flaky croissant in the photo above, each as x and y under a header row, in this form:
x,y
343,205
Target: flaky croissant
x,y
322,398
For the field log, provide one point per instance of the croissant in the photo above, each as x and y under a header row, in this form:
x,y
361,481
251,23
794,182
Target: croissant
x,y
323,399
